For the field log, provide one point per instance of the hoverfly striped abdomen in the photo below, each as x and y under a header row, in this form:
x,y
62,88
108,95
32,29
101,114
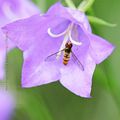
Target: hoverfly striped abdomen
x,y
66,58
67,52
68,55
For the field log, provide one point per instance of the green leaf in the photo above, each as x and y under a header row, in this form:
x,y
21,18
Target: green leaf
x,y
41,4
95,20
85,5
70,4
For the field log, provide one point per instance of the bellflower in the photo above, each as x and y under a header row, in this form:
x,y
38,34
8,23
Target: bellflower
x,y
6,105
11,10
40,36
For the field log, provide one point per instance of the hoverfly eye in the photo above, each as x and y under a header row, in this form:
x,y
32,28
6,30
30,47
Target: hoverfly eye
x,y
66,45
71,45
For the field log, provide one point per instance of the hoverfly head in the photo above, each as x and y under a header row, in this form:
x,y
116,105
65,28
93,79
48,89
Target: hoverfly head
x,y
68,45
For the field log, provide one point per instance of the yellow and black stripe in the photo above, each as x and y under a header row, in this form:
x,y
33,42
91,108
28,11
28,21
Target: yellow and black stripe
x,y
66,58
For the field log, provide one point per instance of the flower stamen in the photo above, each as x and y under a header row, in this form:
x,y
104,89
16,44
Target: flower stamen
x,y
67,36
55,35
74,41
62,46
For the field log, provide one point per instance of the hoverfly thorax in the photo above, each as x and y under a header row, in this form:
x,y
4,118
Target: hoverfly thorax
x,y
68,47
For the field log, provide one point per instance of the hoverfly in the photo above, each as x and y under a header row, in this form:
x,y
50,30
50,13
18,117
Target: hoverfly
x,y
67,53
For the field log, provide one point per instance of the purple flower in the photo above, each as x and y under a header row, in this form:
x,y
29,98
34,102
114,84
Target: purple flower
x,y
6,105
40,36
11,10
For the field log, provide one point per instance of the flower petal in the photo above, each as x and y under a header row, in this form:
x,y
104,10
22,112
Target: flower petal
x,y
74,16
6,105
79,35
28,8
77,81
11,10
2,62
31,36
17,32
32,30
100,48
36,73
2,55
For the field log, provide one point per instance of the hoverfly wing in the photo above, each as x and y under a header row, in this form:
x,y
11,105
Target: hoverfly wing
x,y
53,56
75,60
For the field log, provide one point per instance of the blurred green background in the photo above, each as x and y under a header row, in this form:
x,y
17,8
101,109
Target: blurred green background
x,y
53,101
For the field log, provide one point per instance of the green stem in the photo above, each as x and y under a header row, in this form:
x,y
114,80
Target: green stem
x,y
95,20
85,5
70,4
